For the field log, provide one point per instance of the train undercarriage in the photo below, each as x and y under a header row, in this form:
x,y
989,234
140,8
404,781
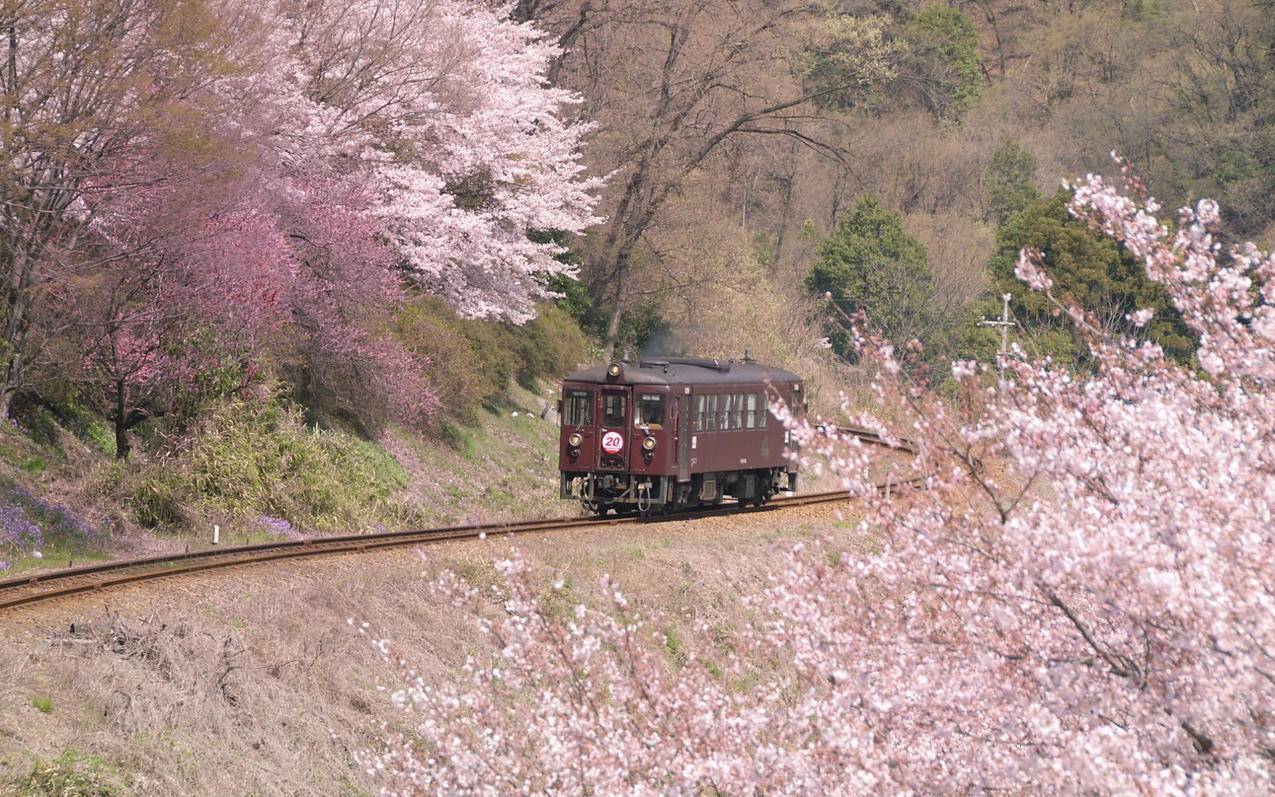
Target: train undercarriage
x,y
600,493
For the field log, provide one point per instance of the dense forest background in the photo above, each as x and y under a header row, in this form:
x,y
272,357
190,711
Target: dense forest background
x,y
739,134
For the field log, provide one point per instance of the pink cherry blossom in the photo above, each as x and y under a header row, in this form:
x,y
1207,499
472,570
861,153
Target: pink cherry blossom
x,y
1077,598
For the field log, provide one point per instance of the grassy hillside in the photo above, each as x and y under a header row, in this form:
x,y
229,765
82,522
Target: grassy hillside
x,y
255,468
276,457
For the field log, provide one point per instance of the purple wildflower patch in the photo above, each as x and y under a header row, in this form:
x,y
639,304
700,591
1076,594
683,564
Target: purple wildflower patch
x,y
17,531
28,523
277,525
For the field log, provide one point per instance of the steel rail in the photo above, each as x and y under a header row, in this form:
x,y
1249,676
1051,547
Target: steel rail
x,y
49,585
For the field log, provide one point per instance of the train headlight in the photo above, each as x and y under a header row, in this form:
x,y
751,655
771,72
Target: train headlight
x,y
614,371
575,440
648,444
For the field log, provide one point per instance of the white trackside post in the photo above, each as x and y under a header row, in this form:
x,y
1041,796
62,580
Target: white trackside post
x,y
216,534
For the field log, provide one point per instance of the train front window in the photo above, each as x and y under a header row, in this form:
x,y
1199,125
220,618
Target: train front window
x,y
578,409
613,410
650,410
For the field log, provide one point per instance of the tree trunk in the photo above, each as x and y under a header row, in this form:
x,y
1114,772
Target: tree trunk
x,y
13,337
10,380
613,328
121,420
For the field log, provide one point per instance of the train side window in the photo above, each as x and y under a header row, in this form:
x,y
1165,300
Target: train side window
x,y
698,420
578,409
723,415
650,411
750,412
739,410
613,409
763,411
711,426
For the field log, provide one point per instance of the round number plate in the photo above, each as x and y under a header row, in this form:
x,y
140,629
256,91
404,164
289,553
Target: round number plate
x,y
612,442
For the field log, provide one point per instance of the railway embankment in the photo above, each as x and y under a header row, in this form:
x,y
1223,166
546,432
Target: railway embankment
x,y
256,471
244,682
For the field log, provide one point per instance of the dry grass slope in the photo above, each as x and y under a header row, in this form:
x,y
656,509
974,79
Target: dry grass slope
x,y
253,684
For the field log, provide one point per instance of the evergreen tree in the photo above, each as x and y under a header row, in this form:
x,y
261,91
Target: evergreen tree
x,y
1011,179
869,263
1089,267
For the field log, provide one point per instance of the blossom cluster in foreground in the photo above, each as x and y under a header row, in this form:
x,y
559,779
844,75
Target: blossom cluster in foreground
x,y
1079,600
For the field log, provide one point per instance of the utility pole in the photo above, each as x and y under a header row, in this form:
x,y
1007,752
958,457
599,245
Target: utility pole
x,y
1004,323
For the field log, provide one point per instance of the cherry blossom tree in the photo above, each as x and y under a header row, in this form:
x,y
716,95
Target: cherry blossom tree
x,y
192,280
264,176
84,82
443,107
1077,599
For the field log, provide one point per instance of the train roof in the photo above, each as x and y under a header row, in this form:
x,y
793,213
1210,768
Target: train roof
x,y
686,371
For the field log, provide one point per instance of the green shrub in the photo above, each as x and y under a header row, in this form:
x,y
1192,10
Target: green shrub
x,y
548,346
470,363
494,347
43,704
156,500
247,459
71,774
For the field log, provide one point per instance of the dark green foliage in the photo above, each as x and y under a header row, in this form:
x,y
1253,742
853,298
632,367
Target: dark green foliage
x,y
1011,182
869,263
1086,266
639,326
471,363
944,57
575,299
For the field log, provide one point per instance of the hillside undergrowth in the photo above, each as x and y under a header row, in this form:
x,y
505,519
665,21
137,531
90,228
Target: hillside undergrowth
x,y
259,471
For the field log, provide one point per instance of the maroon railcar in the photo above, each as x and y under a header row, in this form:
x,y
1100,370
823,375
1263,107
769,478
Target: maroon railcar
x,y
658,434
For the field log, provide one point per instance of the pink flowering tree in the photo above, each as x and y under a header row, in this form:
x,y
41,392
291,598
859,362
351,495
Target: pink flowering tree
x,y
89,87
188,286
1078,599
443,109
196,184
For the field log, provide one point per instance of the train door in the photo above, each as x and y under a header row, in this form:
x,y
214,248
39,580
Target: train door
x,y
577,437
685,431
675,425
613,429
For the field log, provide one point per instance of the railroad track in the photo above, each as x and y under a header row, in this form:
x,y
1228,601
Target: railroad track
x,y
69,582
